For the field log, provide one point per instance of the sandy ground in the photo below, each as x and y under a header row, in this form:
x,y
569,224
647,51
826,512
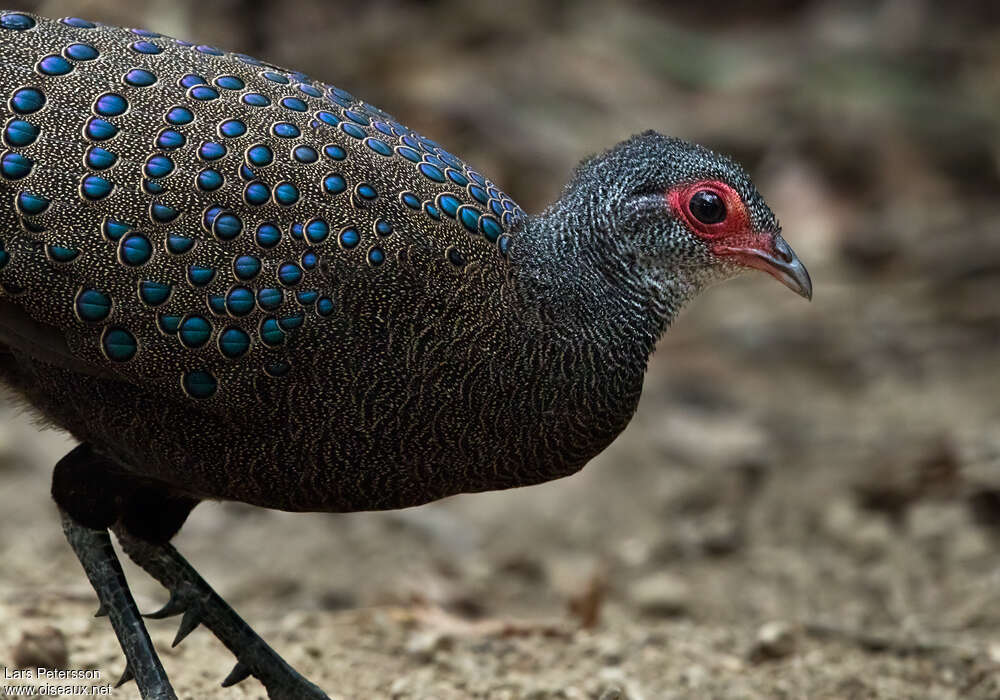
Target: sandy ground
x,y
807,504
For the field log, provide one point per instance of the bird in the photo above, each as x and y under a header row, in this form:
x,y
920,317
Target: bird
x,y
230,281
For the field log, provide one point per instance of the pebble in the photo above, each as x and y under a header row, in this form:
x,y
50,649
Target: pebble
x,y
44,647
775,640
661,595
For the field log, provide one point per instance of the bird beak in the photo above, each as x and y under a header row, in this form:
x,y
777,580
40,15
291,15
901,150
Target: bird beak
x,y
775,257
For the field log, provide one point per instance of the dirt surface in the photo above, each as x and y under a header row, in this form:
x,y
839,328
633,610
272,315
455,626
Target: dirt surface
x,y
807,504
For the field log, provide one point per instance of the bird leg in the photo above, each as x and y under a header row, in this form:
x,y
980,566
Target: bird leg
x,y
94,550
194,599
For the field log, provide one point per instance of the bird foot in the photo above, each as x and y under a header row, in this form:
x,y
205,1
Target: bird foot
x,y
196,602
94,550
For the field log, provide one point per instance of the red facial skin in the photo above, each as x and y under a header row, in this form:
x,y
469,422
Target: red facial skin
x,y
735,238
734,235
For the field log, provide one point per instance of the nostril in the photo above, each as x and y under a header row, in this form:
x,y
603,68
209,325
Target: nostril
x,y
782,250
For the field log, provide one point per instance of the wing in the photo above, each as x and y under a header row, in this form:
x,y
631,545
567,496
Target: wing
x,y
179,216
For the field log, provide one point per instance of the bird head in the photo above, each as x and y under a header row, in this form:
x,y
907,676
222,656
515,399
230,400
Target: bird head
x,y
690,216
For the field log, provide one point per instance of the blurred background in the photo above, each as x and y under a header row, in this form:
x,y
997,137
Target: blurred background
x,y
808,501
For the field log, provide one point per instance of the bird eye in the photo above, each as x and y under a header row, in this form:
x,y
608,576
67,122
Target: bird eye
x,y
707,207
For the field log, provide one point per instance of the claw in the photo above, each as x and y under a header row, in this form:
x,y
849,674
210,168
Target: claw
x,y
102,611
239,673
127,675
191,619
175,606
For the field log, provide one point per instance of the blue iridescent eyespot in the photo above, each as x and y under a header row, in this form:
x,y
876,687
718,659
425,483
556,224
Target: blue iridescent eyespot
x,y
54,65
209,180
203,93
154,293
168,139
230,82
146,47
352,130
17,22
409,199
114,230
27,100
118,344
349,238
275,77
134,250
15,166
98,129
146,33
310,259
179,116
19,133
211,151
162,214
290,323
199,385
449,204
383,227
504,245
478,193
307,297
255,99
289,274
99,158
234,343
168,323
409,154
294,103
379,146
334,183
81,52
94,187
324,306
227,226
457,177
199,275
268,235
270,333
92,306
432,211
232,128
376,256
239,301
178,245
469,216
334,152
259,155
316,230
305,154
246,267
153,187
137,77
194,331
490,227
285,130
217,304
286,194
110,105
270,298
256,193
158,165
366,191
431,172
210,50
31,204
76,22
328,118
190,80
60,254
309,90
